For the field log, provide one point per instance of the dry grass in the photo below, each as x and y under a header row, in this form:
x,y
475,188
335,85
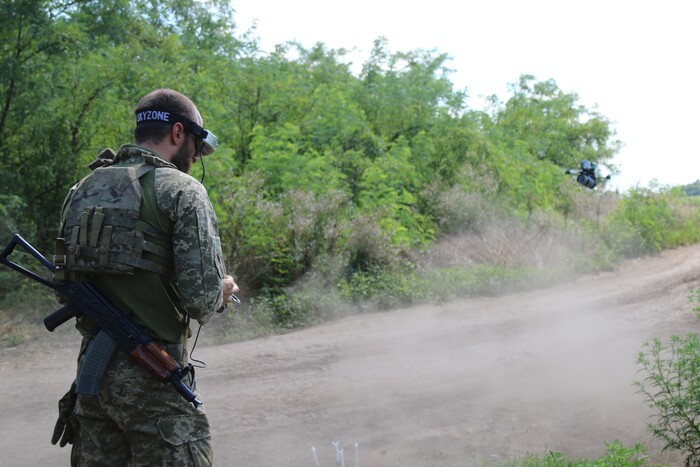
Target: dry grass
x,y
13,329
538,243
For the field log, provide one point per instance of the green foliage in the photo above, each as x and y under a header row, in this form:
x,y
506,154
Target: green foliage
x,y
692,189
547,124
671,387
389,185
380,289
403,92
650,221
272,155
535,135
617,455
296,117
10,209
483,279
284,311
316,166
281,238
694,297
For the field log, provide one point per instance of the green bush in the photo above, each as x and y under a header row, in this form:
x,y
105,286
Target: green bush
x,y
282,311
694,297
647,221
671,387
381,289
275,310
617,455
483,279
10,207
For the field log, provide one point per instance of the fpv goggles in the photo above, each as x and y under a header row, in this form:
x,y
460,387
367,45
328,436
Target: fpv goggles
x,y
208,139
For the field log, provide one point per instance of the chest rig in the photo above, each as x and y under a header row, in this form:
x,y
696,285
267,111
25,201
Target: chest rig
x,y
102,231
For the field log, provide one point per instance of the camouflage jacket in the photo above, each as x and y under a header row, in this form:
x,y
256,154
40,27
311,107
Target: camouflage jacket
x,y
178,206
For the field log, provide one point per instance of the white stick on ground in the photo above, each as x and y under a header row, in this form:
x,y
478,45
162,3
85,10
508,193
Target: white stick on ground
x,y
336,445
313,451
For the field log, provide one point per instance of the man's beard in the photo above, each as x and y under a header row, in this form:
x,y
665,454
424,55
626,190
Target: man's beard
x,y
183,158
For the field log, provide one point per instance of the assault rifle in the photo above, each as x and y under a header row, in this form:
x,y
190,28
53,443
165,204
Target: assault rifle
x,y
116,329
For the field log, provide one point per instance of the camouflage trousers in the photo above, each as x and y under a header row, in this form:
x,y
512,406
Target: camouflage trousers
x,y
137,420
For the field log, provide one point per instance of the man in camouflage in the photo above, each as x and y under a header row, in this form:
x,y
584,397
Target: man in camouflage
x,y
145,234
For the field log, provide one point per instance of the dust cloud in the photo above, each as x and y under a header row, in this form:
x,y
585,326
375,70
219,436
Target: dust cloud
x,y
470,383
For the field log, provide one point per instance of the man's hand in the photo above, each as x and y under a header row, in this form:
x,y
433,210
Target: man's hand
x,y
230,288
65,430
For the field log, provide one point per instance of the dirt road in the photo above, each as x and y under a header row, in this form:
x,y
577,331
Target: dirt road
x,y
469,383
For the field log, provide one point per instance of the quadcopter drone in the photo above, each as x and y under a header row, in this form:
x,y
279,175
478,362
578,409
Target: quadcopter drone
x,y
586,175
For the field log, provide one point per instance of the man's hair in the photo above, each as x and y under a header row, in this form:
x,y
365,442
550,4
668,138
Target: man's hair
x,y
166,100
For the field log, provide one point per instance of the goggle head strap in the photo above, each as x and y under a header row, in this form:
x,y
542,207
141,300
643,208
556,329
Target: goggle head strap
x,y
209,140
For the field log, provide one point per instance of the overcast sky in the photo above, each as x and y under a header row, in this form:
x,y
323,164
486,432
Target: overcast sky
x,y
635,62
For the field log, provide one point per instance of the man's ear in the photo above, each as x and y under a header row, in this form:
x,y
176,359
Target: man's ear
x,y
177,133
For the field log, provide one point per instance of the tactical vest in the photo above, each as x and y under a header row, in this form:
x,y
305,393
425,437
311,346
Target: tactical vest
x,y
101,230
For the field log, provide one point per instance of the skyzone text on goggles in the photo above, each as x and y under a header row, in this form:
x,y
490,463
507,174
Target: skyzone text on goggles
x,y
209,140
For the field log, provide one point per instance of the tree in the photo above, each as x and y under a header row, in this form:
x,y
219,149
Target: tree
x,y
404,92
71,74
538,133
543,122
295,124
